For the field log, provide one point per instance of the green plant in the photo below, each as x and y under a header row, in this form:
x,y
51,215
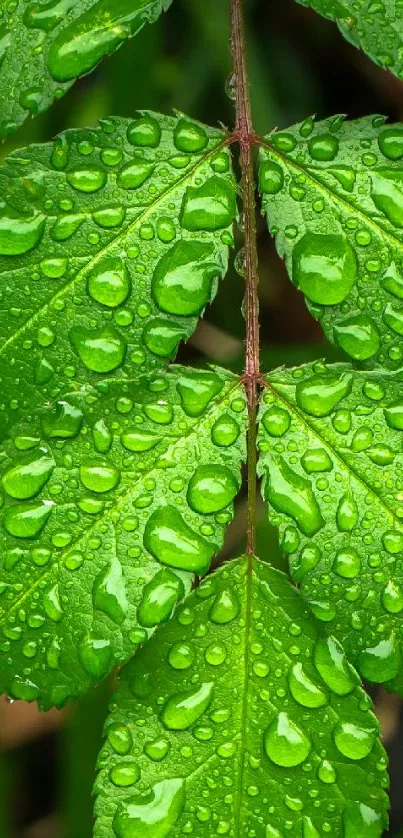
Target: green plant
x,y
243,713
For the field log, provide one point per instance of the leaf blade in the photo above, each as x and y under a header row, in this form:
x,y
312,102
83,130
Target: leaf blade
x,y
57,43
238,743
342,526
113,501
331,192
110,253
368,27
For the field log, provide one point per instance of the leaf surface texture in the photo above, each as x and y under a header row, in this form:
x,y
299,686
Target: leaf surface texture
x,y
46,46
333,195
239,716
113,500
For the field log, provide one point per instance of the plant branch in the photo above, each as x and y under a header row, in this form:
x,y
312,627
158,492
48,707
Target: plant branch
x,y
246,138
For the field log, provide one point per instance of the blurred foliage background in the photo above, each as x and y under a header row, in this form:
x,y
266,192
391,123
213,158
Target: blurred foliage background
x,y
299,65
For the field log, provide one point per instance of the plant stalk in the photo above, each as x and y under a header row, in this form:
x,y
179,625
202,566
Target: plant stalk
x,y
246,137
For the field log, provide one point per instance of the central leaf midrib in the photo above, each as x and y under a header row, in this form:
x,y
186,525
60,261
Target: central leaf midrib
x,y
49,570
104,251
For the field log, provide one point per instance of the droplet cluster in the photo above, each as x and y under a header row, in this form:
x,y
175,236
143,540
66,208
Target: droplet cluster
x,y
111,500
341,183
112,242
333,479
200,743
50,44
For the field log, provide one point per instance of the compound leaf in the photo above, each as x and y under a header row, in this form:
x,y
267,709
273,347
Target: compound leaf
x,y
376,28
112,501
240,717
46,46
111,244
333,193
332,462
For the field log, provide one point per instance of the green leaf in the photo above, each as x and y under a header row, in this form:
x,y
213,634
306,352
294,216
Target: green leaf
x,y
57,41
111,244
333,193
112,500
332,462
376,28
241,718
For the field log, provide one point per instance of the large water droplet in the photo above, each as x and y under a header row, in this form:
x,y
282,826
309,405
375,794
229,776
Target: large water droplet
x,y
19,234
135,174
225,607
197,389
387,194
225,431
211,489
96,656
101,350
170,540
210,206
324,268
292,495
190,137
323,147
62,423
29,475
392,597
99,475
159,597
271,178
347,513
120,738
144,132
320,394
162,336
381,662
347,564
394,415
46,16
137,440
152,814
358,337
285,743
304,690
361,821
391,143
183,278
109,282
353,741
109,592
333,666
182,709
27,520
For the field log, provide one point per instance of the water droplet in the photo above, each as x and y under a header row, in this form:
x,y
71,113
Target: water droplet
x,y
101,350
332,665
347,513
327,772
320,394
144,132
394,416
316,460
323,147
347,564
309,829
392,598
304,690
125,775
87,180
62,423
358,337
211,489
135,174
24,689
19,234
285,743
99,475
172,542
225,607
183,278
136,440
51,604
96,656
182,709
210,206
381,662
27,477
225,431
120,738
391,143
197,389
157,750
292,495
324,268
363,821
109,592
276,421
162,336
190,137
387,194
27,520
152,814
109,282
271,178
181,656
353,741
